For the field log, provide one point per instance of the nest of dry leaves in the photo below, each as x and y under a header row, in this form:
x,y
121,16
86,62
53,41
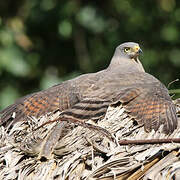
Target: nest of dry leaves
x,y
84,153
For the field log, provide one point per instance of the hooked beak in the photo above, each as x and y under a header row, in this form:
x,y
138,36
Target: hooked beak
x,y
140,51
137,50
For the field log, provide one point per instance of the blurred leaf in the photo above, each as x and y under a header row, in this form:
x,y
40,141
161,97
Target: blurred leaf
x,y
89,18
47,4
8,96
0,21
65,29
69,8
175,57
49,78
150,57
123,6
167,5
6,37
33,59
170,33
12,60
174,91
177,15
48,81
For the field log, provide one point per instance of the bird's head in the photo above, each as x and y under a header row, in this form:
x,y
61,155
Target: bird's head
x,y
126,55
129,50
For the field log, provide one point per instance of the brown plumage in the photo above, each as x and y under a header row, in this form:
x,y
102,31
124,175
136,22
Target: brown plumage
x,y
88,96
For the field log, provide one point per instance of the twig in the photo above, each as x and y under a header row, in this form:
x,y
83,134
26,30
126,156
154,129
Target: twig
x,y
172,82
80,123
149,141
121,142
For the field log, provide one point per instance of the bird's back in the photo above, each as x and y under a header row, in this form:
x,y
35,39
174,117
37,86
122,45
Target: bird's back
x,y
57,98
88,96
144,97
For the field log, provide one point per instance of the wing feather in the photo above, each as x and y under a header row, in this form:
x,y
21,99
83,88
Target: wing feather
x,y
151,110
56,98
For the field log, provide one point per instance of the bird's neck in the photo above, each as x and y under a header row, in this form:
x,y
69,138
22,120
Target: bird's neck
x,y
125,64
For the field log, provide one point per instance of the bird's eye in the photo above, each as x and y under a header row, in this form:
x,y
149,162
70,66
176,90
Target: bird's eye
x,y
126,49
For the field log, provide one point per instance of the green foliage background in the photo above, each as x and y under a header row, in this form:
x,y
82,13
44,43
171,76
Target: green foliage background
x,y
44,42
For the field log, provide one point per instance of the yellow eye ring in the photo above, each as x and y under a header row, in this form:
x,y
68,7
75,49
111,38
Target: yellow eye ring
x,y
126,49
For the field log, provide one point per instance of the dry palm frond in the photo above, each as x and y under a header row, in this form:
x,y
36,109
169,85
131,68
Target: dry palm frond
x,y
83,153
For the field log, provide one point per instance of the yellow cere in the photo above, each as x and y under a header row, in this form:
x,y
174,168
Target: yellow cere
x,y
136,48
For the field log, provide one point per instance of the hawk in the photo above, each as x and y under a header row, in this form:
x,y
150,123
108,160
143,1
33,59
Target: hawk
x,y
88,96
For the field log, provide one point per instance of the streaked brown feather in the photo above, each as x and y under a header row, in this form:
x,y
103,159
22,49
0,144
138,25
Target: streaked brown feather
x,y
143,96
56,98
155,111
